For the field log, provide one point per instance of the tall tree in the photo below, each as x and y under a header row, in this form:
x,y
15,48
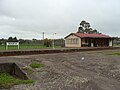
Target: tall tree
x,y
80,30
83,23
86,28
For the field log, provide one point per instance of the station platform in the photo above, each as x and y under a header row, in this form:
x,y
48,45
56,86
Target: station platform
x,y
51,51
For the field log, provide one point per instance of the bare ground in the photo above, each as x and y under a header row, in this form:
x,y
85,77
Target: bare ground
x,y
69,71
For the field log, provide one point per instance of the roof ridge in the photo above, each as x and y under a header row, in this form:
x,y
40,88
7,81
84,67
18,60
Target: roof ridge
x,y
91,35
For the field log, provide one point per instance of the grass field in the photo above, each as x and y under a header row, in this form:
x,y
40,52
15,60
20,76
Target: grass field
x,y
22,47
3,47
116,45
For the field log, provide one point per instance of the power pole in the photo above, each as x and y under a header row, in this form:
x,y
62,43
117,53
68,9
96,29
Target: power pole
x,y
54,40
43,37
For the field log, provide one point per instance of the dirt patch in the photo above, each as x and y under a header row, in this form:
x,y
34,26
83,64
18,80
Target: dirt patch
x,y
68,71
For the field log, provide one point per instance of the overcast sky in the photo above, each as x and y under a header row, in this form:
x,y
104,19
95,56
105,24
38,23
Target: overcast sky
x,y
29,18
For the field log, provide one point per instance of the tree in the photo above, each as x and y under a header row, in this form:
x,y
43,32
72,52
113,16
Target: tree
x,y
15,39
87,25
85,28
11,39
95,31
34,40
22,41
80,30
47,42
83,23
3,41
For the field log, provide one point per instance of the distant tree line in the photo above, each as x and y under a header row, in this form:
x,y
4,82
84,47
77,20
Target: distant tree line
x,y
46,42
85,27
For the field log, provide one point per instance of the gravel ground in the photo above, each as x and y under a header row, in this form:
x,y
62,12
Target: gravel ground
x,y
93,70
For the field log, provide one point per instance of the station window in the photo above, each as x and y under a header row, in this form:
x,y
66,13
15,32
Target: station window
x,y
72,41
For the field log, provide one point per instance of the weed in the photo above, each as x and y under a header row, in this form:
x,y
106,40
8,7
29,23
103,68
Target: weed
x,y
36,65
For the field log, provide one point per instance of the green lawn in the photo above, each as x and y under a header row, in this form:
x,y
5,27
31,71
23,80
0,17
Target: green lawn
x,y
2,47
7,81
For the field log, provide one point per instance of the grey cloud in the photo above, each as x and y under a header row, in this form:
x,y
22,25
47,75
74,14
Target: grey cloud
x,y
26,18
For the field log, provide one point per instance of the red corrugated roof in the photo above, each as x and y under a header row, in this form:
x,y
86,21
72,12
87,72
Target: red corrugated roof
x,y
81,35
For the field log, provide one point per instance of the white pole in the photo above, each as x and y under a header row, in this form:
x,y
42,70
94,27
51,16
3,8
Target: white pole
x,y
53,41
6,46
18,46
43,37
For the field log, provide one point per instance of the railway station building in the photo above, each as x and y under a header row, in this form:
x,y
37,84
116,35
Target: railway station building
x,y
88,40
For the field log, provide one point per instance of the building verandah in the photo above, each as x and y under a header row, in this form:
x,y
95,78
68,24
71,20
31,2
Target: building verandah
x,y
96,42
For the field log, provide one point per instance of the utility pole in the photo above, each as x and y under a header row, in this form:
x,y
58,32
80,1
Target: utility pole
x,y
43,37
53,40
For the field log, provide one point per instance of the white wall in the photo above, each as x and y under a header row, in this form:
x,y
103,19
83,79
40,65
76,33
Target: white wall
x,y
73,45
